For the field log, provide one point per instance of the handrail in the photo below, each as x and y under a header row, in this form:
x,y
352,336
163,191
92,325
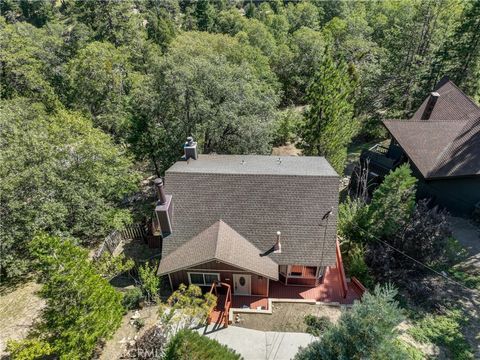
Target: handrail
x,y
228,300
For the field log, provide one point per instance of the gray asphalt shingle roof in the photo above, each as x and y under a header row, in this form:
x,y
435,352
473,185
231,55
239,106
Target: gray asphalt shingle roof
x,y
257,199
219,242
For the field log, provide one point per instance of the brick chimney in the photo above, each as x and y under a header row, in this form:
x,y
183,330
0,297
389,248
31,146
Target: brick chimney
x,y
432,100
163,209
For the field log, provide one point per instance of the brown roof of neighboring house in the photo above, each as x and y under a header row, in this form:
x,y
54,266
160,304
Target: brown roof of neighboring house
x,y
257,196
222,243
452,104
448,143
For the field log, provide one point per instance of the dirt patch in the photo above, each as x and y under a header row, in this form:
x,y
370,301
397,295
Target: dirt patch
x,y
116,346
19,308
286,150
287,317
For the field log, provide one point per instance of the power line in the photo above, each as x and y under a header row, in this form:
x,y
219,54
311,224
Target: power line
x,y
411,258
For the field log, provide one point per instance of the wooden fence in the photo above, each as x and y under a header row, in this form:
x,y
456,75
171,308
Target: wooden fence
x,y
111,242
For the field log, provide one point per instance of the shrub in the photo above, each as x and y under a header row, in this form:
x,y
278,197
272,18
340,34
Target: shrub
x,y
392,203
356,266
28,349
149,281
150,345
187,344
367,331
444,330
82,308
316,325
132,298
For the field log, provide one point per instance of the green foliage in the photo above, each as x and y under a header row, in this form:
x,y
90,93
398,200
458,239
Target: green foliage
x,y
330,124
149,281
444,330
392,203
367,331
109,266
189,344
59,174
28,349
186,307
316,325
99,78
356,266
132,298
82,308
287,126
352,215
209,86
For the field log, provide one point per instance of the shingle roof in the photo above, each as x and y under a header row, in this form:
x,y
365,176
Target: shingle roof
x,y
448,143
452,104
257,165
257,199
219,242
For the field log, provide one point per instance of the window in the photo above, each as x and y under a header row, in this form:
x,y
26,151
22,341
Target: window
x,y
301,271
203,279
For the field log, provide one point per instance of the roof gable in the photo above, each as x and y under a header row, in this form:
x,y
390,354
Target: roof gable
x,y
452,104
222,243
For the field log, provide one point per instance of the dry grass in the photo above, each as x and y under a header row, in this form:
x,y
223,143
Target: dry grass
x,y
19,308
287,317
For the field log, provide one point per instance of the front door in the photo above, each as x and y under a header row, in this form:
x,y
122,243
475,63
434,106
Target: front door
x,y
241,284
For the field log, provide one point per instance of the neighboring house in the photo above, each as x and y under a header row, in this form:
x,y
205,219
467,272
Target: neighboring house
x,y
442,144
264,225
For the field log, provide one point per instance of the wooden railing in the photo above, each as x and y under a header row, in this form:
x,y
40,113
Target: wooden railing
x,y
341,270
360,289
228,301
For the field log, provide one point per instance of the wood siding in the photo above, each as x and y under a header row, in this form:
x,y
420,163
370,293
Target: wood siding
x,y
259,284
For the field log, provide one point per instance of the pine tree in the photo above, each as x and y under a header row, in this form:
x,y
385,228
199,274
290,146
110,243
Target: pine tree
x,y
330,124
205,15
460,57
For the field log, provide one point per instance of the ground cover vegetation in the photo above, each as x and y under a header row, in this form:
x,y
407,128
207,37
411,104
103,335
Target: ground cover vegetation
x,y
96,94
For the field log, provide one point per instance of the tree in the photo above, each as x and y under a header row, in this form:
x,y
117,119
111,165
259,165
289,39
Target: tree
x,y
392,203
367,331
205,14
188,344
59,174
330,125
99,78
460,55
109,266
82,308
212,87
149,281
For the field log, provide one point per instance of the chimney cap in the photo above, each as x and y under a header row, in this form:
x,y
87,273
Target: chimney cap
x,y
158,181
435,94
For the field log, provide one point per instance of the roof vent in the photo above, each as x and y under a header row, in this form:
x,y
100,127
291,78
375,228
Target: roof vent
x,y
162,199
190,149
432,100
277,248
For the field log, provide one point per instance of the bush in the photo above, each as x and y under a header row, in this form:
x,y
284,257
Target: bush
x,y
356,266
149,282
367,331
187,344
316,325
132,298
150,345
444,330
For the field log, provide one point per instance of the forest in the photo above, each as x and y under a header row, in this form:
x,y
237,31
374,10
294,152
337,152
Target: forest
x,y
97,95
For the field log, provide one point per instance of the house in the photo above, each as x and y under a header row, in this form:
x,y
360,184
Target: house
x,y
441,142
263,226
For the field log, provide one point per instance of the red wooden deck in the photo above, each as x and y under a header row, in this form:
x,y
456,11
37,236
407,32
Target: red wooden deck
x,y
330,290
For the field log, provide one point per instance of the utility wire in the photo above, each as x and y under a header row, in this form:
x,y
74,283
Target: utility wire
x,y
413,259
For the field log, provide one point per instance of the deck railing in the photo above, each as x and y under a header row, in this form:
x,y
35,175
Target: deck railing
x,y
227,304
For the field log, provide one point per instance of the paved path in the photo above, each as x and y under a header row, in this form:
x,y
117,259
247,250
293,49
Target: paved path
x,y
259,345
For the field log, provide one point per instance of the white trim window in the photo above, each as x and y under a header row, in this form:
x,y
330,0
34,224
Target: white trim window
x,y
203,279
